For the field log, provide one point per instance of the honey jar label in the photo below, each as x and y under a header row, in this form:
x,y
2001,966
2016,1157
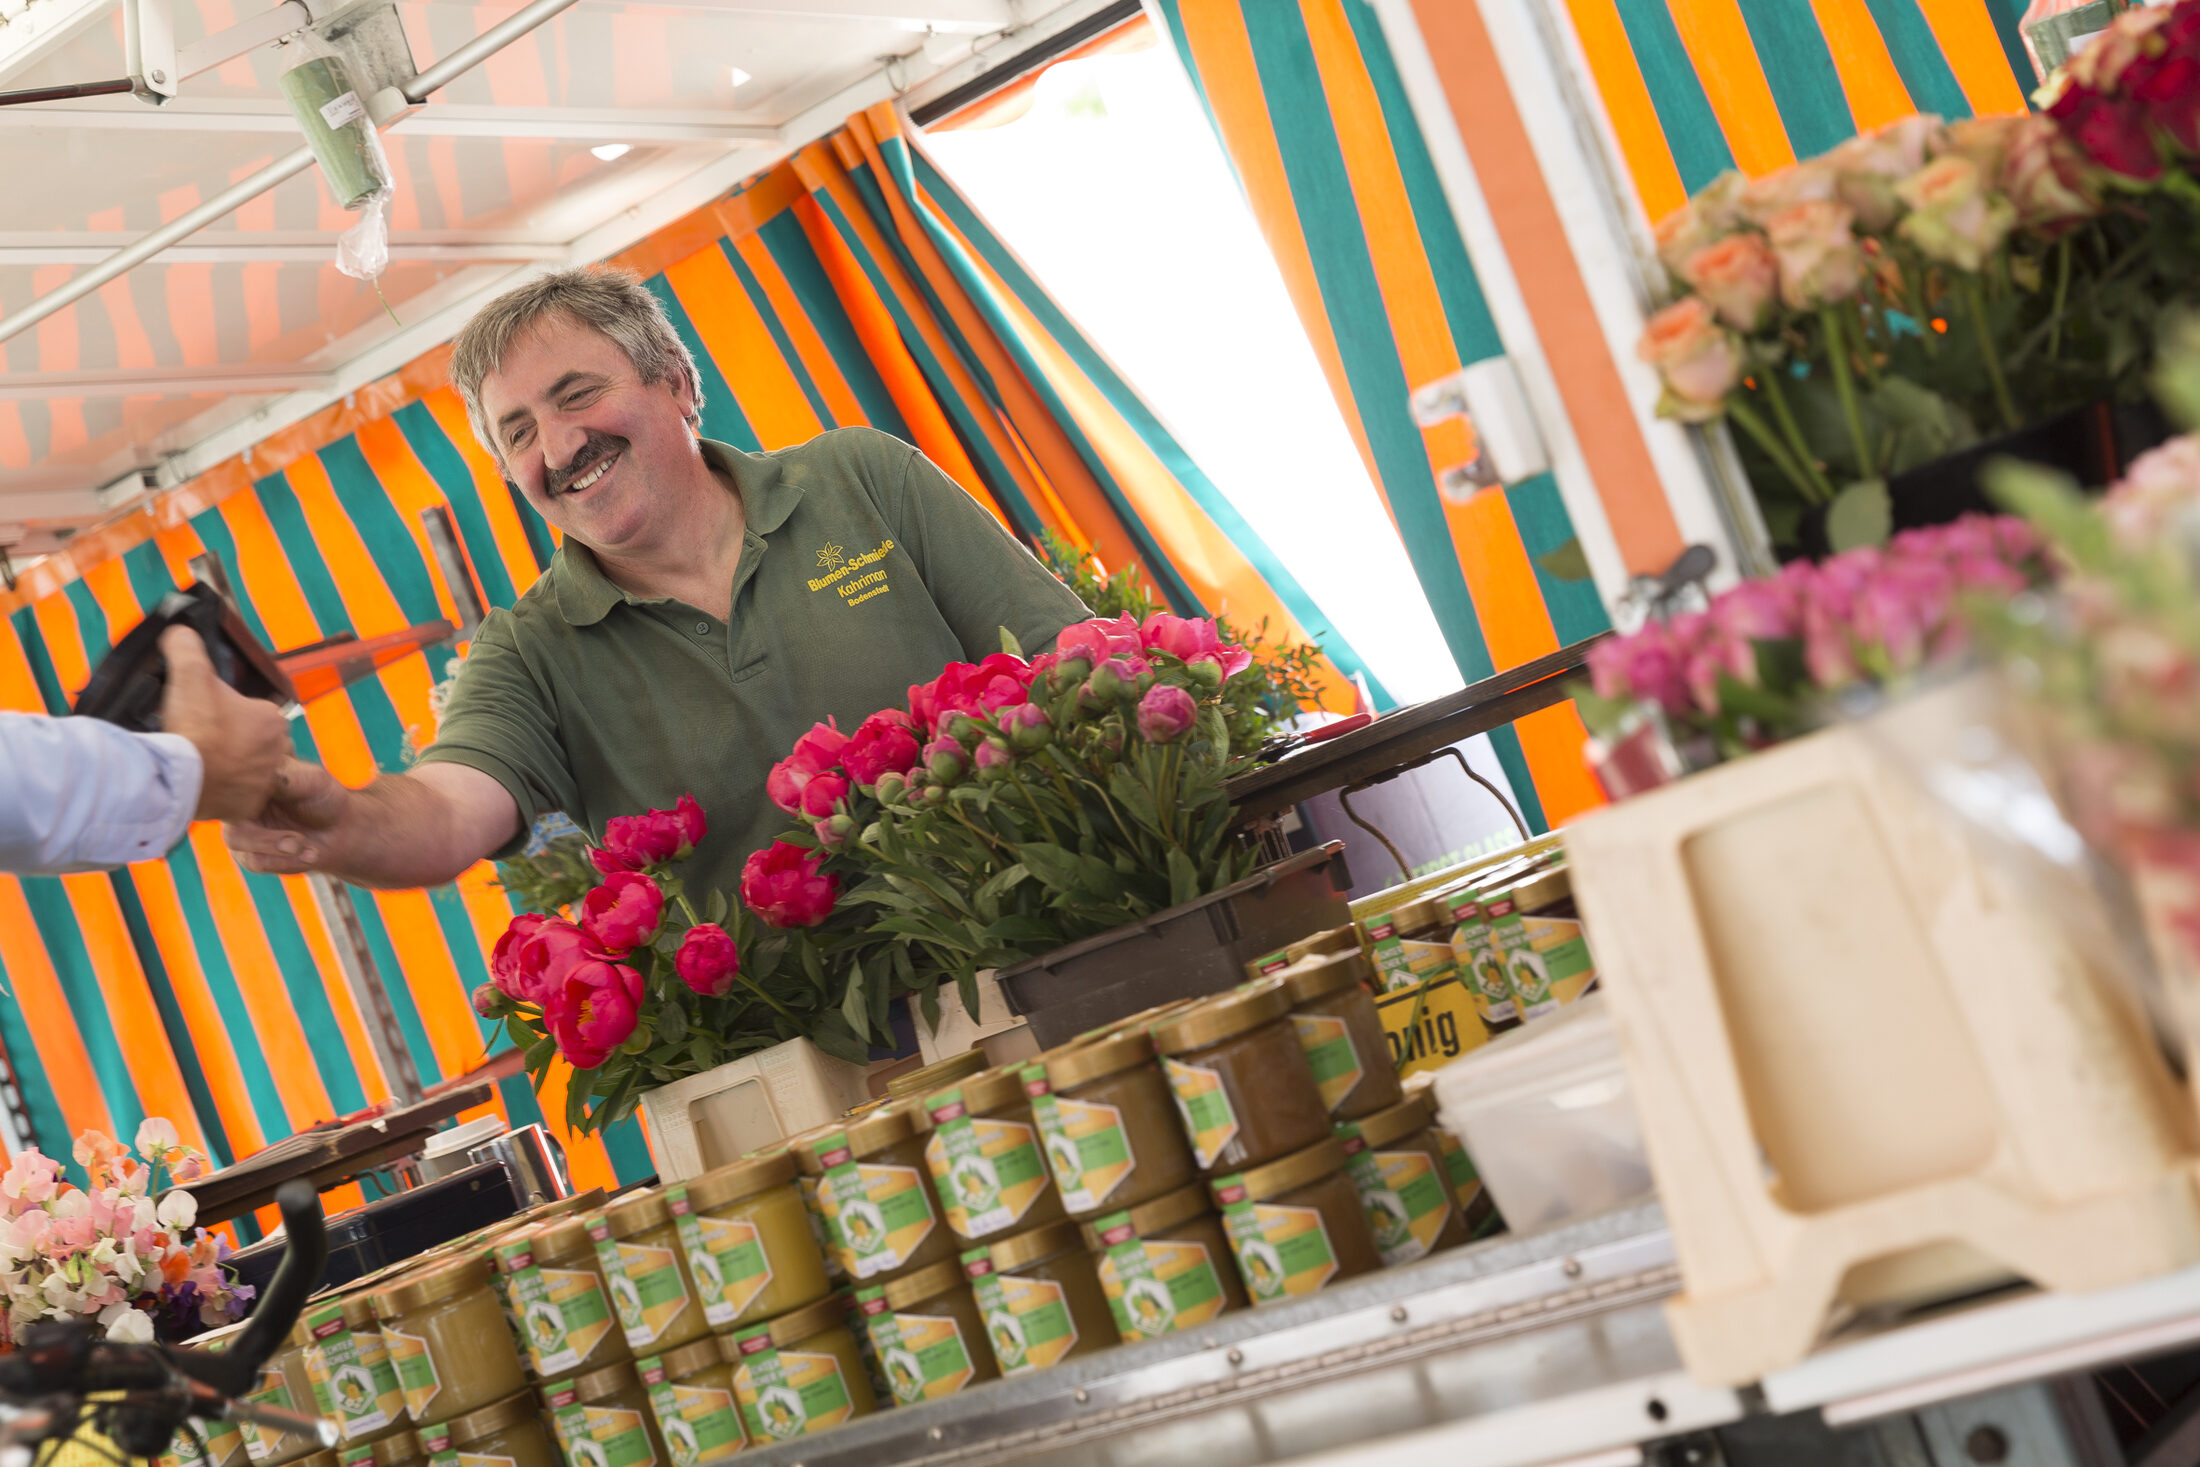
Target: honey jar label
x,y
563,1314
1027,1321
1330,1050
415,1370
1430,1027
728,1260
1282,1252
1475,1204
698,1425
1477,964
647,1289
604,1436
261,1442
470,1459
1156,1287
988,1172
827,1236
1087,1147
1386,1213
1413,1179
1204,1107
223,1444
353,1380
882,1214
1524,967
784,1393
922,1356
435,1441
1559,942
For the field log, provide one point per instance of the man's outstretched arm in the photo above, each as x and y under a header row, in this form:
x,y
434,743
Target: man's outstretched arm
x,y
404,830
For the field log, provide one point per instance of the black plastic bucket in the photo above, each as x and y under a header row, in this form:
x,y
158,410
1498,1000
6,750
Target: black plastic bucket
x,y
1185,951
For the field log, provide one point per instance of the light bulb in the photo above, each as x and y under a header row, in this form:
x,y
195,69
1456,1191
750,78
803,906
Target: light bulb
x,y
609,151
740,76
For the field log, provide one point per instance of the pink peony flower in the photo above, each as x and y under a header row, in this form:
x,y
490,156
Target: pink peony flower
x,y
823,794
1737,277
597,1008
551,951
1820,261
1166,714
632,842
1097,640
783,885
814,753
707,961
624,912
1192,639
504,966
884,743
975,690
1699,361
1647,665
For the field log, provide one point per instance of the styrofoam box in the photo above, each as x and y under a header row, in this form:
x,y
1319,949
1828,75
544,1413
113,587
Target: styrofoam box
x,y
721,1115
1544,1112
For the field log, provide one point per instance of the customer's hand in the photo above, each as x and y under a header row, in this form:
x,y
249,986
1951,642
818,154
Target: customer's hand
x,y
243,743
284,838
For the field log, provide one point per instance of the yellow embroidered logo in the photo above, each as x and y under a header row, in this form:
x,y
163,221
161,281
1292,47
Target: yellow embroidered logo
x,y
846,573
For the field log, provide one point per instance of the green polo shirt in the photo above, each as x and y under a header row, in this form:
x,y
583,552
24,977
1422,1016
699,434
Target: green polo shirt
x,y
864,569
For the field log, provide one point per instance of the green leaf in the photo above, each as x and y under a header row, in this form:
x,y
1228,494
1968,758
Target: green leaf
x,y
1009,644
852,1004
672,1023
1055,867
1567,562
966,984
1918,423
1183,878
833,1035
576,1100
541,1052
714,911
1860,515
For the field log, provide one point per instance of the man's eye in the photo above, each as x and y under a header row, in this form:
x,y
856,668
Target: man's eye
x,y
582,398
518,436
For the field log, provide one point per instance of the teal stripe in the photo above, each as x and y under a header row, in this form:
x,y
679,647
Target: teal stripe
x,y
722,415
1577,611
998,479
629,1152
1505,741
1799,68
150,581
441,458
1918,59
56,920
213,532
91,622
532,524
181,1042
388,540
49,1127
377,935
221,982
1691,128
2006,15
42,669
762,304
1134,409
1352,299
797,260
876,207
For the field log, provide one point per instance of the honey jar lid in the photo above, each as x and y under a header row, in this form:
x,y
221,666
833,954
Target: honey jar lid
x,y
328,1457
802,1146
1318,977
637,1212
559,1239
1069,1068
882,1128
915,1288
483,1420
432,1286
686,1359
986,1093
1223,1017
1025,1249
389,1451
794,1328
936,1076
1289,1173
741,1179
611,1380
1539,890
1414,1113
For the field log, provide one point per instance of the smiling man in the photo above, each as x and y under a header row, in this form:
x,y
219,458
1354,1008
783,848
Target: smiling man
x,y
706,607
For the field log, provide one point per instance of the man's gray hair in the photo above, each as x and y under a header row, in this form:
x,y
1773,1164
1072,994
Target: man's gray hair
x,y
601,297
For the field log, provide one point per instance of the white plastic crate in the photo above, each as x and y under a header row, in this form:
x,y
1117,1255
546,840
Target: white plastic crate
x,y
717,1117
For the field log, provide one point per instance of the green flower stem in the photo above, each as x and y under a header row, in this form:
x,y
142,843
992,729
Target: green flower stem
x,y
1844,386
751,985
1920,308
1975,299
1770,377
693,919
2062,292
1866,357
1742,413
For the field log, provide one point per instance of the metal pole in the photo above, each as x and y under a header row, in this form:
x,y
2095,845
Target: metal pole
x,y
487,44
365,979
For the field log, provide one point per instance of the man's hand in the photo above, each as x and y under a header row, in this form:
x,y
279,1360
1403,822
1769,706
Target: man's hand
x,y
242,742
282,840
420,828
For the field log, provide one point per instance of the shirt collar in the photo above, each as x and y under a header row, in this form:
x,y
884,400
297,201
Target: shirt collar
x,y
586,595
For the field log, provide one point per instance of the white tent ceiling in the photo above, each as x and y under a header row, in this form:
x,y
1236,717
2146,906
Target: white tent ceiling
x,y
247,326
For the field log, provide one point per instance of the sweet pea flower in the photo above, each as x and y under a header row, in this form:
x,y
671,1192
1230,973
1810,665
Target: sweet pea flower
x,y
813,754
597,1008
1737,276
1955,217
1820,261
1699,361
624,912
884,743
504,968
1166,714
707,961
783,885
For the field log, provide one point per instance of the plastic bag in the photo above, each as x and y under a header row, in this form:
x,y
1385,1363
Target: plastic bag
x,y
330,112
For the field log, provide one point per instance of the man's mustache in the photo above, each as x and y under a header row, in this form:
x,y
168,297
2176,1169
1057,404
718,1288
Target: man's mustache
x,y
594,451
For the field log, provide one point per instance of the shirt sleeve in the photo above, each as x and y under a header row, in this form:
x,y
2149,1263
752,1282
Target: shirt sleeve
x,y
500,720
979,575
77,794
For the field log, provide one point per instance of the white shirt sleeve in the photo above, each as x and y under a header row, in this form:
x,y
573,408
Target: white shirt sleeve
x,y
78,793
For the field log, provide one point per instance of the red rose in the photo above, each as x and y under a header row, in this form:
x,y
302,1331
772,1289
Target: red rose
x,y
707,960
813,754
885,743
631,842
623,913
504,964
782,885
823,794
595,1011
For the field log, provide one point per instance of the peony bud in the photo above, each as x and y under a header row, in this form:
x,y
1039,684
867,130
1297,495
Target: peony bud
x,y
946,761
962,728
708,960
993,760
1068,673
1166,714
1027,727
1205,676
890,788
489,1003
1107,682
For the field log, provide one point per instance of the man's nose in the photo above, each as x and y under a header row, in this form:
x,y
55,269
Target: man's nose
x,y
561,443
